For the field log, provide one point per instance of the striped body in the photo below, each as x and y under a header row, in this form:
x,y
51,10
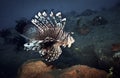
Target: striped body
x,y
50,36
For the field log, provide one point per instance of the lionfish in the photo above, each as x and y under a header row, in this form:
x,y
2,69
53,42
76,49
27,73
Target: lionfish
x,y
50,37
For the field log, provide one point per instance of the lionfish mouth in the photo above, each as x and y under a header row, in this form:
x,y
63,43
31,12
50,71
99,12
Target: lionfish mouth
x,y
50,37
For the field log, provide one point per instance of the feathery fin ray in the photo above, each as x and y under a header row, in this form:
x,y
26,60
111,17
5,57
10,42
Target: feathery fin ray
x,y
51,35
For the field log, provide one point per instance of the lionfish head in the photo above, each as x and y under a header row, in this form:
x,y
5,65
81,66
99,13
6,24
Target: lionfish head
x,y
50,37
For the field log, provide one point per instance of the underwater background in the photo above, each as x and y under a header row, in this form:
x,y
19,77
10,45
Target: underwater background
x,y
96,33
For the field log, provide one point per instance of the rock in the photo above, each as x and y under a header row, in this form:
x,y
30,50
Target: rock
x,y
116,67
84,30
39,69
117,55
115,47
21,25
99,20
1,41
88,12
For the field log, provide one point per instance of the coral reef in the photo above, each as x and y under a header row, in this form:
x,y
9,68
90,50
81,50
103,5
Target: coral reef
x,y
88,12
39,69
99,20
116,67
99,48
84,30
21,24
115,47
32,69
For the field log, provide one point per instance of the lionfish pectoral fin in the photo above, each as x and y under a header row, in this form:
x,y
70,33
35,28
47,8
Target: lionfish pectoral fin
x,y
33,45
24,36
52,54
70,41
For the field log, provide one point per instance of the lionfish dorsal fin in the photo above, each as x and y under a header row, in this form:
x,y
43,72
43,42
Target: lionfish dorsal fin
x,y
43,19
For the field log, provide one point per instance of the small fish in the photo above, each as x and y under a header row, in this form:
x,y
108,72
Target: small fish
x,y
50,37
